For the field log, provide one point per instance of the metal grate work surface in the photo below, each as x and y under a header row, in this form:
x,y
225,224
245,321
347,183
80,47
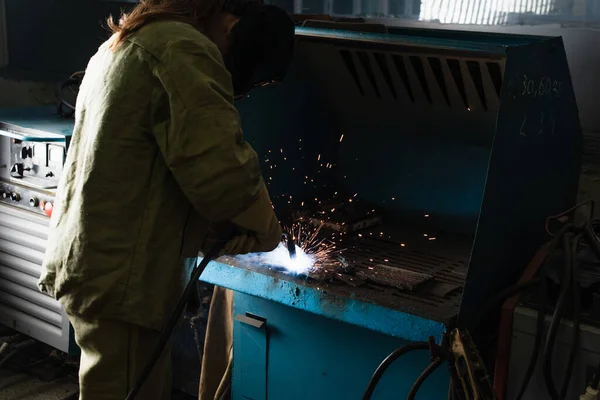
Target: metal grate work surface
x,y
426,281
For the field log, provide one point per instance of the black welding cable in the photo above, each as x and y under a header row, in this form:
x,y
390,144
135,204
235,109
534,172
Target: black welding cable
x,y
518,288
65,108
539,334
423,377
165,335
576,292
574,344
389,360
591,238
18,347
559,310
541,311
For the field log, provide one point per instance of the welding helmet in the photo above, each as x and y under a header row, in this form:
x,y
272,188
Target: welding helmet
x,y
262,48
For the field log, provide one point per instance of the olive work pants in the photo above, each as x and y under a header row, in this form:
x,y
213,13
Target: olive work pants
x,y
113,354
217,361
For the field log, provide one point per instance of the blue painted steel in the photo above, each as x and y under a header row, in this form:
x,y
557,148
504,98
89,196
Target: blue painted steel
x,y
433,42
469,36
294,294
35,124
533,171
285,139
313,357
491,165
250,368
469,166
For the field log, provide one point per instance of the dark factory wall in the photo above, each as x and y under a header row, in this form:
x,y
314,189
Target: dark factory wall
x,y
53,38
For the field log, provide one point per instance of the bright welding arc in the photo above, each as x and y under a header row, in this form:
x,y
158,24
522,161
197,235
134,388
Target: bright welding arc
x,y
308,255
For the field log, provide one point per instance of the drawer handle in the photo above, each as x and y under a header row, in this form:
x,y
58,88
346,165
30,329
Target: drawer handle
x,y
255,322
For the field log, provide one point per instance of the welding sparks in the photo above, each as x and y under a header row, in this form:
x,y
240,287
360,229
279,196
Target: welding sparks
x,y
312,252
300,264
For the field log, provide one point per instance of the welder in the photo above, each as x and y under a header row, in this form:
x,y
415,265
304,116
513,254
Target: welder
x,y
156,171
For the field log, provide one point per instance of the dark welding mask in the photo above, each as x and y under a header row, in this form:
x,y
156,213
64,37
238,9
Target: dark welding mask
x,y
262,49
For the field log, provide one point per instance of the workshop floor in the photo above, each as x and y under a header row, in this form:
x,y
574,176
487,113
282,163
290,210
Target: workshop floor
x,y
15,385
38,373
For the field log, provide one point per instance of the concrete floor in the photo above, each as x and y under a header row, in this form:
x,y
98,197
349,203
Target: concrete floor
x,y
39,373
17,385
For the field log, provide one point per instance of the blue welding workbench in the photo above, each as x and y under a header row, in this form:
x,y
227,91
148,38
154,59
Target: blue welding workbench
x,y
294,342
463,142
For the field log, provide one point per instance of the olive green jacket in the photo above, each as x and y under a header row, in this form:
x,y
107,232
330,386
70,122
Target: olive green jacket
x,y
157,153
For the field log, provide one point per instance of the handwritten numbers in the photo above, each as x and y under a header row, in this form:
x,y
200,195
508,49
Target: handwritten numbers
x,y
540,123
540,88
522,131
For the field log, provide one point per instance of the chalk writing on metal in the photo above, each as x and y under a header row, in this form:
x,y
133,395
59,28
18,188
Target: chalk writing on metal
x,y
540,88
546,124
522,131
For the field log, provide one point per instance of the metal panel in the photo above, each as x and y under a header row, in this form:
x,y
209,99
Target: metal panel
x,y
28,289
23,239
23,236
535,159
250,367
316,298
36,227
314,357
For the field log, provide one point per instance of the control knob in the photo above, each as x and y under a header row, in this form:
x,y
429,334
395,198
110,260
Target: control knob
x,y
15,196
26,152
48,208
33,202
5,195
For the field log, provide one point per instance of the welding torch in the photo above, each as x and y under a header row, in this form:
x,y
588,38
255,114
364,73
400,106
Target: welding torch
x,y
291,244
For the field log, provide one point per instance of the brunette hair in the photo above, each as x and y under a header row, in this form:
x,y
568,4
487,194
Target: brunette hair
x,y
195,12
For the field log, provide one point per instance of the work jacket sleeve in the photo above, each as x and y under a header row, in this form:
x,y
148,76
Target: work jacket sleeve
x,y
199,133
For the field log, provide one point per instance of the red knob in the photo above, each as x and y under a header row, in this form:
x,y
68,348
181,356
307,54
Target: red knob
x,y
48,207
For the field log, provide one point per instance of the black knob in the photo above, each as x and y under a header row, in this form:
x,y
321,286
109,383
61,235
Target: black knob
x,y
5,195
18,168
33,202
26,152
15,196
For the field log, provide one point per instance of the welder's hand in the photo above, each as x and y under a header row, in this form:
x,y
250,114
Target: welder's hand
x,y
241,244
269,240
262,231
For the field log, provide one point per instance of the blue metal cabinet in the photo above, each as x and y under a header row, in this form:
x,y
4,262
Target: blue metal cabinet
x,y
294,340
298,355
